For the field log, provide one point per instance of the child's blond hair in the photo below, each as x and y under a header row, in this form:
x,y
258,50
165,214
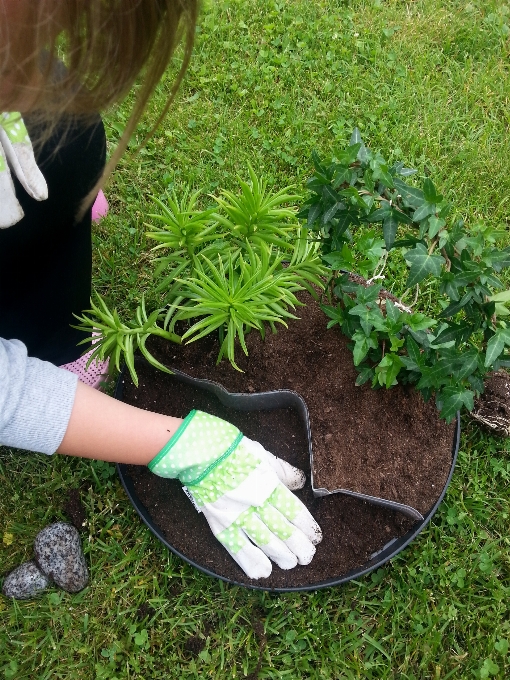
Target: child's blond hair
x,y
105,44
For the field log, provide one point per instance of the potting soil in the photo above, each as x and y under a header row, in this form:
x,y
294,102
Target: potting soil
x,y
353,529
386,443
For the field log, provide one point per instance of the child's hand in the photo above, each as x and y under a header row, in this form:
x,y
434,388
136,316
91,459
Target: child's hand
x,y
243,491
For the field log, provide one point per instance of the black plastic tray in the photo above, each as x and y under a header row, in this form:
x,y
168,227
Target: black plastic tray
x,y
283,399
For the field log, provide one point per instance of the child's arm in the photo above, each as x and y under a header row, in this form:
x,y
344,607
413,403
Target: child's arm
x,y
104,428
44,408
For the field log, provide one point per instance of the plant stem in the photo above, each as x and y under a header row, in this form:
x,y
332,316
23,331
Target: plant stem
x,y
166,334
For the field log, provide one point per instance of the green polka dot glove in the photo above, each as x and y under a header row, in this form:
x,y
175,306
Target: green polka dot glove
x,y
243,491
16,154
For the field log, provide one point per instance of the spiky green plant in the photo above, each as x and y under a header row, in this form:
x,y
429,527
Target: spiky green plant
x,y
184,231
258,216
233,271
184,227
251,289
117,340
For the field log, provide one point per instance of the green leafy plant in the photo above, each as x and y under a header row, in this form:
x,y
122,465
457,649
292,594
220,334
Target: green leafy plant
x,y
231,273
247,292
258,216
117,340
366,216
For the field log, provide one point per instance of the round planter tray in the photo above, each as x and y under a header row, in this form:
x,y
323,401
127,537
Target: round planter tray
x,y
271,400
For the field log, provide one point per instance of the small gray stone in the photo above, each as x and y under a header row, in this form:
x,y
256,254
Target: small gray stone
x,y
58,554
25,581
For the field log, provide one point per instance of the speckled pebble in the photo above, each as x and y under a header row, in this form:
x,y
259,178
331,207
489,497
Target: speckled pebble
x,y
58,553
25,581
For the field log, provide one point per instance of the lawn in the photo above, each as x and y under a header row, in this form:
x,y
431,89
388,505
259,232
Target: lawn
x,y
426,82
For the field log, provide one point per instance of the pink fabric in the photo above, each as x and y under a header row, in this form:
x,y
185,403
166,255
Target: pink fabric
x,y
95,375
100,207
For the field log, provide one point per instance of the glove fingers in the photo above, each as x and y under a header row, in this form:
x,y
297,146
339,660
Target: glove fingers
x,y
270,544
291,507
250,558
295,540
19,152
292,477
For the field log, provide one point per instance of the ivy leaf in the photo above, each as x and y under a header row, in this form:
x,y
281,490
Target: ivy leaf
x,y
459,333
366,374
349,155
355,197
504,296
435,225
388,369
342,175
390,226
380,214
365,317
331,212
411,196
331,194
496,345
318,164
413,353
452,399
434,376
422,264
419,322
340,259
356,139
465,278
476,382
430,193
382,173
456,306
368,178
468,366
398,169
401,216
499,259
392,312
345,219
407,242
313,214
424,211
336,315
395,343
362,346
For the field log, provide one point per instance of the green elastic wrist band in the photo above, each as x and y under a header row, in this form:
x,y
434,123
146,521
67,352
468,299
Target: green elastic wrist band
x,y
174,439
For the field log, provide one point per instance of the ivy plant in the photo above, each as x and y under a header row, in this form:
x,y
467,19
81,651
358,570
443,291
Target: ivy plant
x,y
366,215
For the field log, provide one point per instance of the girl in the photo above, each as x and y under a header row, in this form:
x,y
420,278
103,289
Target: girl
x,y
45,269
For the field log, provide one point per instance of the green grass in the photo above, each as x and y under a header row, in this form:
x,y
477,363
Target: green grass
x,y
426,82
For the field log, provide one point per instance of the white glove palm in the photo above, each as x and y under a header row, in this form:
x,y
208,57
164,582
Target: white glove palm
x,y
16,152
243,491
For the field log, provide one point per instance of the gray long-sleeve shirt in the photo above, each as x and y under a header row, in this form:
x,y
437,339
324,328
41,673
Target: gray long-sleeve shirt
x,y
36,400
36,397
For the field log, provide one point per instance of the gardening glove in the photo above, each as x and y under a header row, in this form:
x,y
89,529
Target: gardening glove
x,y
17,154
243,491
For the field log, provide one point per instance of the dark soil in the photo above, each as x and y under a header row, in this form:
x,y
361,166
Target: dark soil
x,y
194,645
145,610
75,510
492,408
385,443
